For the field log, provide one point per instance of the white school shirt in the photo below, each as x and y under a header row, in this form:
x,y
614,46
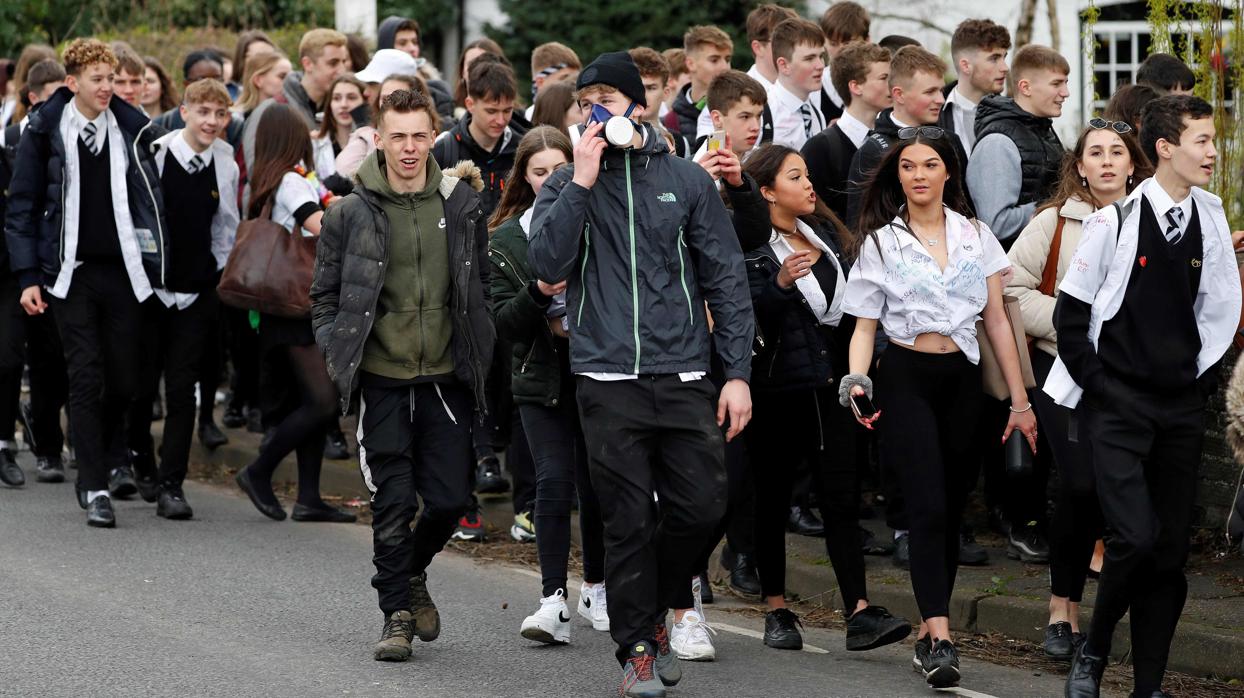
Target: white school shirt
x,y
854,129
827,84
901,285
1102,266
827,311
963,107
787,119
294,192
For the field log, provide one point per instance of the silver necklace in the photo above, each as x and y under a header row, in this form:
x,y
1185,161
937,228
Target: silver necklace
x,y
931,242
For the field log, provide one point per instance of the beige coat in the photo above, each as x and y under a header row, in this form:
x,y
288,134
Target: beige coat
x,y
1028,257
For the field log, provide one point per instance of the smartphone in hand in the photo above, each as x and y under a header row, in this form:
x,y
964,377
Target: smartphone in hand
x,y
862,406
717,140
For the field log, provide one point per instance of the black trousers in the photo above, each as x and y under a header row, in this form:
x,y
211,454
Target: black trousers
x,y
810,426
1146,457
12,353
654,434
172,344
929,405
556,442
98,322
211,354
520,461
1076,523
414,442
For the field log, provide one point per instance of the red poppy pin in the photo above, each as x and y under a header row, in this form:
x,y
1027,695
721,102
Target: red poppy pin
x,y
1144,261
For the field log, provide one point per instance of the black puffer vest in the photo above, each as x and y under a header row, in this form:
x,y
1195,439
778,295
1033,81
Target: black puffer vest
x,y
1040,151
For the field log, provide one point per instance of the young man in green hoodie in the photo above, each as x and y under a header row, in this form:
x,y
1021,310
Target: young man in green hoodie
x,y
400,310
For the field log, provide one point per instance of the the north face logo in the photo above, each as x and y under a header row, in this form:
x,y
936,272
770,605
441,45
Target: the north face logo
x,y
667,198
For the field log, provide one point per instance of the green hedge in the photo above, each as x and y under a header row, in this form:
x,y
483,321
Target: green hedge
x,y
171,47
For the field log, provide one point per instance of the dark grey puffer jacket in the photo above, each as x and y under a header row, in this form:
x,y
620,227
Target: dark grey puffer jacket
x,y
349,271
643,250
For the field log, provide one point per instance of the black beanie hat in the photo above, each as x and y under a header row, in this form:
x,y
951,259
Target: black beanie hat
x,y
616,70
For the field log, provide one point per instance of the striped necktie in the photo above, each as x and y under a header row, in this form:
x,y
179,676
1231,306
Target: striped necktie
x,y
196,164
1174,232
805,110
88,136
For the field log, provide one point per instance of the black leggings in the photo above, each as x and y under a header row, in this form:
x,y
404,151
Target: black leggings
x,y
556,442
809,425
1077,521
929,405
303,429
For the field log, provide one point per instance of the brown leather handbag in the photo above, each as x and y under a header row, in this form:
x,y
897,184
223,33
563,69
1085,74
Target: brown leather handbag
x,y
269,269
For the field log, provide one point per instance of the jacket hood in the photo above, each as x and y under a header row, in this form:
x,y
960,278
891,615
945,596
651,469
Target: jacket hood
x,y
386,33
995,108
885,124
509,140
374,178
683,104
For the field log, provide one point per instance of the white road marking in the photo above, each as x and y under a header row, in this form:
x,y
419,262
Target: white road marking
x,y
966,693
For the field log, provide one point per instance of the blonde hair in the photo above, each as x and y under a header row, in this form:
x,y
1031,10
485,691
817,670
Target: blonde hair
x,y
315,41
706,35
551,54
256,66
909,60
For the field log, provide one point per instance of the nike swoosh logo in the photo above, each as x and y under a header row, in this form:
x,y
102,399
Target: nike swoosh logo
x,y
587,603
561,616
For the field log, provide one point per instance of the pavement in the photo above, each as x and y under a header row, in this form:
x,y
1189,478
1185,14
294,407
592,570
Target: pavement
x,y
231,603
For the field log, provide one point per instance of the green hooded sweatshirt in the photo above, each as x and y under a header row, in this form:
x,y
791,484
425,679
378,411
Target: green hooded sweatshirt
x,y
413,332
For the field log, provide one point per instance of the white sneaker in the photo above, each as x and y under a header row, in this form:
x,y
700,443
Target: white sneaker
x,y
690,639
593,607
550,624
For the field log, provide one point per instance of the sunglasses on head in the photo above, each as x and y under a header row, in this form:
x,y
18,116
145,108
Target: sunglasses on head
x,y
1116,126
910,132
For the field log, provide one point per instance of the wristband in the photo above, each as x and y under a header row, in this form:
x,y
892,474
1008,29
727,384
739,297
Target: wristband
x,y
1026,409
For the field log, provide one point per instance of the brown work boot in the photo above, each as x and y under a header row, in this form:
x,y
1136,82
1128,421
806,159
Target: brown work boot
x,y
427,618
394,644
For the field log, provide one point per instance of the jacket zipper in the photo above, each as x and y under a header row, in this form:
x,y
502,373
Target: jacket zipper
x,y
682,276
155,205
630,224
773,361
418,261
820,430
587,252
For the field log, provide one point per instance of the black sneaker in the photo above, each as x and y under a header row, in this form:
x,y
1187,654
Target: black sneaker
x,y
144,469
49,469
335,446
942,668
1059,641
10,472
1084,679
902,551
924,647
471,524
121,483
488,477
211,436
874,627
970,552
1028,544
99,513
804,522
872,545
233,418
781,631
172,503
999,522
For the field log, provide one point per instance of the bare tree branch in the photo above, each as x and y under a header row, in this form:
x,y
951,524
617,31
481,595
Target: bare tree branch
x,y
1052,13
914,20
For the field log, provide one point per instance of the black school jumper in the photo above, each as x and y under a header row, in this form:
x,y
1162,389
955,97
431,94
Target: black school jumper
x,y
98,320
173,340
1144,413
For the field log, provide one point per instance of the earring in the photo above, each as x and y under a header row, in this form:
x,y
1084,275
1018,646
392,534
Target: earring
x,y
1129,180
1084,182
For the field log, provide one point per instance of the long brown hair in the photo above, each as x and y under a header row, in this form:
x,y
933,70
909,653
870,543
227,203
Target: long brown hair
x,y
519,197
245,39
329,127
765,165
884,198
282,141
1071,184
552,103
168,91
